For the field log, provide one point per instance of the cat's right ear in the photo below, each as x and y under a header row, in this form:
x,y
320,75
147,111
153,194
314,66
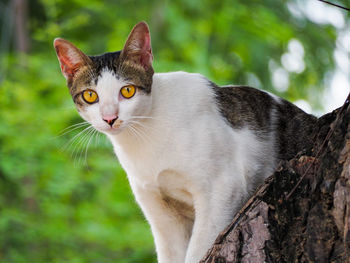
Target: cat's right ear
x,y
137,48
70,57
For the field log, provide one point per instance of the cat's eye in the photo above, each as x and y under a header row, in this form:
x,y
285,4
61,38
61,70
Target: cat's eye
x,y
128,91
90,96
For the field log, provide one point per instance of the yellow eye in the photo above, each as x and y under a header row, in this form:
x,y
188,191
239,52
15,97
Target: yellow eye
x,y
128,91
90,96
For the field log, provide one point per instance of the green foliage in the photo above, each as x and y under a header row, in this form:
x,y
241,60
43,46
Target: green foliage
x,y
59,206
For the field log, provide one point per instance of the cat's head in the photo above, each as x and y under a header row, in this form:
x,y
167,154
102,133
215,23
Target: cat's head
x,y
110,90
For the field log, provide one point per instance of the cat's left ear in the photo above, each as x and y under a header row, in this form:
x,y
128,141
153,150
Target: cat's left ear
x,y
137,48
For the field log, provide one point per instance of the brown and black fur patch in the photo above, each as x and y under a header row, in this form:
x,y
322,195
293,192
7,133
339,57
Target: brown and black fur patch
x,y
123,67
294,129
88,75
140,76
244,106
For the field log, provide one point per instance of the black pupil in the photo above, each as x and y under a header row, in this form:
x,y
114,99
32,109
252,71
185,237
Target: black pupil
x,y
90,93
128,90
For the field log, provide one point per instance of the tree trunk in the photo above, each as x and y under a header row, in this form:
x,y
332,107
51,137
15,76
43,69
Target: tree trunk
x,y
21,25
302,212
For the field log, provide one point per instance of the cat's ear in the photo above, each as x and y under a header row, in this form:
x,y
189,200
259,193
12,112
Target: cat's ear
x,y
137,48
70,57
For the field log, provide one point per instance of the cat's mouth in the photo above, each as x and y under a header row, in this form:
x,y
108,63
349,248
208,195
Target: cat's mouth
x,y
111,129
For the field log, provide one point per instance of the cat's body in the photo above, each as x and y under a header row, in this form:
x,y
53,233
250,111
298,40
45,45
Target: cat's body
x,y
193,151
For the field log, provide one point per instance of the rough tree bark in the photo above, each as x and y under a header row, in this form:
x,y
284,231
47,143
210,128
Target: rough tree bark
x,y
302,212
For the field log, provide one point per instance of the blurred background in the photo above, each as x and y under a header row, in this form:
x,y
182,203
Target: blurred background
x,y
63,195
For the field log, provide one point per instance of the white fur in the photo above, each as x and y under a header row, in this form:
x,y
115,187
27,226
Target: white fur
x,y
185,151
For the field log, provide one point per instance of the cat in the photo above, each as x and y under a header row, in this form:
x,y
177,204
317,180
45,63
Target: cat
x,y
193,151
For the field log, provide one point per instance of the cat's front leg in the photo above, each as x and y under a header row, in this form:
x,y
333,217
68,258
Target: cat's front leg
x,y
170,232
214,210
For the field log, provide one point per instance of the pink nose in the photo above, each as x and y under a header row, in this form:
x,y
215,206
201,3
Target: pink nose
x,y
110,119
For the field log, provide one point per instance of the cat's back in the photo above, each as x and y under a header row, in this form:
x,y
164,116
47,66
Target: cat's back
x,y
268,115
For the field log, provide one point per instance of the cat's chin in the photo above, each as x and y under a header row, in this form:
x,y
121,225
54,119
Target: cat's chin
x,y
114,131
109,130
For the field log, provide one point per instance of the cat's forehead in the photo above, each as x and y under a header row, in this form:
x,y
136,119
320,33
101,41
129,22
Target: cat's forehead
x,y
90,74
109,69
128,70
109,79
105,62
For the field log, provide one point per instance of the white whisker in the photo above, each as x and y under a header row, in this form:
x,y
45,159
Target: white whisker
x,y
79,153
141,133
135,132
72,128
145,128
97,140
69,143
87,146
